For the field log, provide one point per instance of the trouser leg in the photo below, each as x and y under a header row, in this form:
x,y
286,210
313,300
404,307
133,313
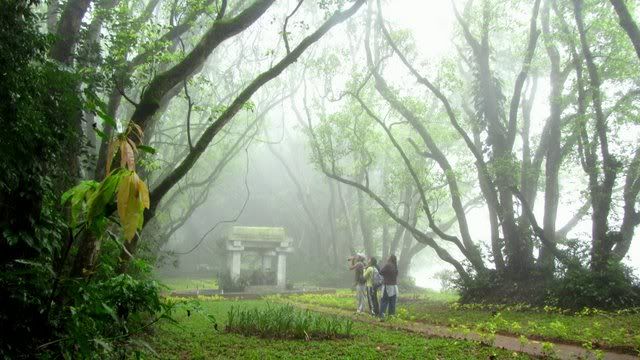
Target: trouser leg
x,y
383,303
392,304
361,296
374,300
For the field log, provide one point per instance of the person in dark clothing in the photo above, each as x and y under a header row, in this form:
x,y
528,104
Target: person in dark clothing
x,y
390,286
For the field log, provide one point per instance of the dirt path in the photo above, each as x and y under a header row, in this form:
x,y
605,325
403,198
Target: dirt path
x,y
511,343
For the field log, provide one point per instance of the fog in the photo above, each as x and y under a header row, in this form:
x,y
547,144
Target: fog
x,y
163,159
274,178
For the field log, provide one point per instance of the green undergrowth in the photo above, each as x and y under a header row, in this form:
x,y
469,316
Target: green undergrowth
x,y
188,283
589,328
286,322
345,299
199,334
340,300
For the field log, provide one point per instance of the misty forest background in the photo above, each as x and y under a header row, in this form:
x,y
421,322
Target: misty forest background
x,y
503,165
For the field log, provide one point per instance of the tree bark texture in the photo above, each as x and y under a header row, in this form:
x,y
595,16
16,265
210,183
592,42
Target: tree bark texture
x,y
627,23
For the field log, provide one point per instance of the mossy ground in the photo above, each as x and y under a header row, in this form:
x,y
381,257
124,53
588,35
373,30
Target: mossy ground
x,y
613,330
194,337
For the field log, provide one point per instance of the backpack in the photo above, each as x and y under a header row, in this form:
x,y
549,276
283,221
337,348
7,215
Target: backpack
x,y
377,278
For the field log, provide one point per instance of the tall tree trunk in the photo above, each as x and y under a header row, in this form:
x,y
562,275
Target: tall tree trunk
x,y
627,23
53,7
331,216
553,157
123,77
385,241
631,217
500,137
349,224
68,31
404,256
365,225
215,35
112,109
67,36
406,213
86,258
600,193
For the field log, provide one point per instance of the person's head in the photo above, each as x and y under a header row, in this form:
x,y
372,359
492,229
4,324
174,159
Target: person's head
x,y
373,261
393,260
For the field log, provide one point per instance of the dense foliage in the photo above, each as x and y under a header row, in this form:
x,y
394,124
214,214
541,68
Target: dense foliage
x,y
38,98
44,310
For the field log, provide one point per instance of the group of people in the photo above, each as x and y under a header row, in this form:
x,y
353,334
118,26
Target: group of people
x,y
371,280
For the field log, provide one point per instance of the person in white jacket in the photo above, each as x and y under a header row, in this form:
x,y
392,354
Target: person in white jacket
x,y
357,264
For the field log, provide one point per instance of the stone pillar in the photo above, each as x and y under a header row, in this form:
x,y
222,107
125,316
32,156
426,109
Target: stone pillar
x,y
234,257
281,278
266,262
234,264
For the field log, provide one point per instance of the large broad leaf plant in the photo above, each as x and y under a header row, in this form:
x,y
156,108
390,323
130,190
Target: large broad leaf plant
x,y
94,204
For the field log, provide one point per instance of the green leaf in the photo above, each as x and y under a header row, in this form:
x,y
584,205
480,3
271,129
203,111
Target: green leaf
x,y
106,118
77,196
67,195
147,149
101,134
104,196
98,106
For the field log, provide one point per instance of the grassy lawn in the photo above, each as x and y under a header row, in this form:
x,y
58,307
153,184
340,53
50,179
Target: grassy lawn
x,y
189,283
194,337
599,329
613,330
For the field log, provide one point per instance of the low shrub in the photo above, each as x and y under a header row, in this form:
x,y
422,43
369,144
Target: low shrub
x,y
579,288
572,288
101,317
260,277
286,322
227,283
495,288
447,278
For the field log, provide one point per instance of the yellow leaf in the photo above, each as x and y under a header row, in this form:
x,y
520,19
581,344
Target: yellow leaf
x,y
137,131
130,223
135,179
133,145
127,158
123,197
123,154
141,217
144,194
110,151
